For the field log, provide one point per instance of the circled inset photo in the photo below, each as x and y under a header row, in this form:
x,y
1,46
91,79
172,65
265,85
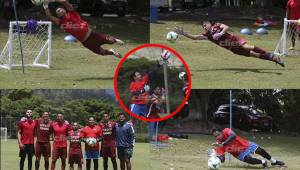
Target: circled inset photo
x,y
152,83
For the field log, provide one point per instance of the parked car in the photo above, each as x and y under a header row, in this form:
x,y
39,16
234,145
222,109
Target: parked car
x,y
100,7
243,117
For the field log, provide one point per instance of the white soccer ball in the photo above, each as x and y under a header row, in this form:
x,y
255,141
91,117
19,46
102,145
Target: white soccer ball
x,y
91,141
172,36
214,163
181,75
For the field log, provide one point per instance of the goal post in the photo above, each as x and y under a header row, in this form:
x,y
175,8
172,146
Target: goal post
x,y
36,45
289,43
3,134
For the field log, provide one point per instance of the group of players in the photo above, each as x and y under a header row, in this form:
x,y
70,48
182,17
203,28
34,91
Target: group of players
x,y
112,135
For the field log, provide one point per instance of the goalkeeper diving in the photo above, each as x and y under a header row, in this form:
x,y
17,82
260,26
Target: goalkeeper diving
x,y
70,21
218,34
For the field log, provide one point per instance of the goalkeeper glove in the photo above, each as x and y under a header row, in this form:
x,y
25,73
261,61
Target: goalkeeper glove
x,y
147,88
180,31
218,35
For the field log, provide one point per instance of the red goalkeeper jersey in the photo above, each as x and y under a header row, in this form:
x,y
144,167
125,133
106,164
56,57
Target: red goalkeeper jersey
x,y
74,25
91,132
235,147
137,86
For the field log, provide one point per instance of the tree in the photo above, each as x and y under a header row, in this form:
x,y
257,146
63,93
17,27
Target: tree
x,y
199,101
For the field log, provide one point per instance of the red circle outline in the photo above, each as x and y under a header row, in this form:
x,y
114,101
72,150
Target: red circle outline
x,y
116,84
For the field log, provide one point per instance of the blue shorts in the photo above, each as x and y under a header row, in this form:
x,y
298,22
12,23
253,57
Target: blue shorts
x,y
92,154
250,150
139,109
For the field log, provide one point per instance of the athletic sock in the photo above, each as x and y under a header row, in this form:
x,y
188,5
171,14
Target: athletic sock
x,y
46,165
266,56
259,50
263,161
273,160
37,164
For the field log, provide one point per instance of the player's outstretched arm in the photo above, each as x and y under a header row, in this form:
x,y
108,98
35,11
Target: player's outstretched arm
x,y
180,31
48,13
66,4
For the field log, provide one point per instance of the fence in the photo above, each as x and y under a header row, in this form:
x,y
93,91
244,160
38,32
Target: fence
x,y
10,123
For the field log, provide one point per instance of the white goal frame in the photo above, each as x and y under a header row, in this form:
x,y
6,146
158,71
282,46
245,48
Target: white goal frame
x,y
281,48
3,129
8,50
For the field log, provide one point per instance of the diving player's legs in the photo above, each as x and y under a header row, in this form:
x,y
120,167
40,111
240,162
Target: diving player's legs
x,y
260,151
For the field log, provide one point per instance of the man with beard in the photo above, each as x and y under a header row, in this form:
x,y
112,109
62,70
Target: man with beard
x,y
25,129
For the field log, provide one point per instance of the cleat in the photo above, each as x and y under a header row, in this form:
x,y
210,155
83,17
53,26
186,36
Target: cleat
x,y
120,42
277,60
116,54
265,165
291,48
280,163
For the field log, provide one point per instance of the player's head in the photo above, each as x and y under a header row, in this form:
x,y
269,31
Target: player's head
x,y
207,24
29,114
75,126
60,118
92,121
105,117
137,76
217,132
157,90
60,11
122,117
45,116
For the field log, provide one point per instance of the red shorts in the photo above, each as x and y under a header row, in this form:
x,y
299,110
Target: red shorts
x,y
95,40
236,44
75,158
59,152
42,148
108,151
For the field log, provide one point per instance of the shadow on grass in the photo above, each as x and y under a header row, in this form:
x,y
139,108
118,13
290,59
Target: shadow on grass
x,y
243,70
94,78
234,166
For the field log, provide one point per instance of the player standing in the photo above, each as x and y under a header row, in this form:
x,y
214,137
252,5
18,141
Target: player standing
x,y
293,13
108,145
218,34
61,129
139,92
242,149
70,21
75,151
125,141
92,152
42,144
25,129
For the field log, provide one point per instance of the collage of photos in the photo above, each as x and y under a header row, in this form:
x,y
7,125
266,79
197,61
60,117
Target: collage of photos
x,y
149,84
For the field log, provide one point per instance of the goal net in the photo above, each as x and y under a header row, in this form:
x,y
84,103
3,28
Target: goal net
x,y
289,43
36,45
3,133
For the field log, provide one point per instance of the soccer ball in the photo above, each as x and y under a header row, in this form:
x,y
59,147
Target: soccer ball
x,y
214,163
172,36
91,141
181,75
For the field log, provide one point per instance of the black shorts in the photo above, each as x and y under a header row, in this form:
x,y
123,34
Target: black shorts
x,y
27,150
125,152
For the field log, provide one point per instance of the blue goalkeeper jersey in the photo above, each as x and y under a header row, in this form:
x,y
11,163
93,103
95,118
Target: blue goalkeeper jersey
x,y
125,135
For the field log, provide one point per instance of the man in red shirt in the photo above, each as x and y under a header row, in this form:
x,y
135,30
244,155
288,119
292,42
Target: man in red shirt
x,y
293,13
108,145
25,129
61,129
75,152
42,144
70,21
242,149
140,93
92,151
218,33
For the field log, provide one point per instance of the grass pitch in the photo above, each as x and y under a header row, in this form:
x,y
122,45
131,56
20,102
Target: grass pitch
x,y
213,67
191,154
74,66
10,159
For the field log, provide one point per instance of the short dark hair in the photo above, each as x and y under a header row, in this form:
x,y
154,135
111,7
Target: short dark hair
x,y
208,21
122,113
216,129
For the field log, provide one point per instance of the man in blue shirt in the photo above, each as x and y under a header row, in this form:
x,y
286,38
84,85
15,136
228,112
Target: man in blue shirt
x,y
125,141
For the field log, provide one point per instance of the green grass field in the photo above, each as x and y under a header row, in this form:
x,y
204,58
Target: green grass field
x,y
191,153
74,66
10,159
213,67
